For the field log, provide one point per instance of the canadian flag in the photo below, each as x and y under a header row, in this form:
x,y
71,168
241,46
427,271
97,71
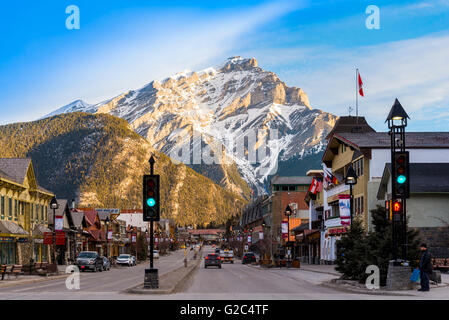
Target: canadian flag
x,y
360,85
314,186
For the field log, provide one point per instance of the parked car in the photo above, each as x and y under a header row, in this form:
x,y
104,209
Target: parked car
x,y
89,260
248,257
155,254
212,259
125,259
106,264
227,256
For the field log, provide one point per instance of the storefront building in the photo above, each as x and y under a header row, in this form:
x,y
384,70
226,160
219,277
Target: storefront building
x,y
23,206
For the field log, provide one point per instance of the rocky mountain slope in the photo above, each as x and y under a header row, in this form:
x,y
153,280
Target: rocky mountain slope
x,y
100,160
219,107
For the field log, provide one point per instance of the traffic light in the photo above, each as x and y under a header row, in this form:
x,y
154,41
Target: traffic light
x,y
401,188
397,206
151,207
388,209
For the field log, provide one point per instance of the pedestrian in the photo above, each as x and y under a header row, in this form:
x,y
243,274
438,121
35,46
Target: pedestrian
x,y
425,267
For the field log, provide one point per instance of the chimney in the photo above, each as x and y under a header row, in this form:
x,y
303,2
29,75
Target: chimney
x,y
73,204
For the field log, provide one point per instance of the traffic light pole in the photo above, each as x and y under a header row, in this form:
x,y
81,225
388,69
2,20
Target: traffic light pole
x,y
151,280
399,224
151,222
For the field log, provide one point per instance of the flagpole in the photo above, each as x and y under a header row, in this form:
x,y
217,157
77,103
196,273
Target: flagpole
x,y
356,97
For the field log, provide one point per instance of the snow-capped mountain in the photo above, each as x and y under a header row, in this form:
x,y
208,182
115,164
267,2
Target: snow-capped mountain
x,y
221,105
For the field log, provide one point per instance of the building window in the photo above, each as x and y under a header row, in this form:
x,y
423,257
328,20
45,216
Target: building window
x,y
32,212
361,204
2,207
291,188
22,208
46,215
9,208
358,167
42,213
16,209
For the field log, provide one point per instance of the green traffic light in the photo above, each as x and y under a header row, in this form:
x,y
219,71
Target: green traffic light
x,y
151,202
401,179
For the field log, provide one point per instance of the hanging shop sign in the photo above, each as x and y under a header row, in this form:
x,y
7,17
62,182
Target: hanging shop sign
x,y
260,235
249,239
48,238
59,223
345,211
284,229
60,238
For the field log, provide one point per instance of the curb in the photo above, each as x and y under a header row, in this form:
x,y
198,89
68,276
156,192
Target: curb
x,y
190,269
50,278
302,269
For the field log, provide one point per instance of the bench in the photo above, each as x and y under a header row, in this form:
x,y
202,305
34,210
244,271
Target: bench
x,y
3,271
15,269
41,267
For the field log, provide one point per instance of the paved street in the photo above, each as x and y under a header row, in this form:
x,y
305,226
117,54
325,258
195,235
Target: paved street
x,y
94,284
232,281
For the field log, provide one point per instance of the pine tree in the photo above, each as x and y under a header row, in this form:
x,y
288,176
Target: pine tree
x,y
380,245
351,252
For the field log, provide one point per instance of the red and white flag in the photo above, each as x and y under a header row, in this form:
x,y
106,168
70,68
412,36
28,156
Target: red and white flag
x,y
313,186
360,85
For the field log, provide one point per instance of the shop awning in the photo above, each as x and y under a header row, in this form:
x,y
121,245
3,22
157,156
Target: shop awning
x,y
11,229
40,229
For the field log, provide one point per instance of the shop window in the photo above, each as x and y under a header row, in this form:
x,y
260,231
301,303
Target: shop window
x,y
284,188
291,188
7,253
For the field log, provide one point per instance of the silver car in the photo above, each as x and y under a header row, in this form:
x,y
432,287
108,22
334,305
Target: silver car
x,y
125,259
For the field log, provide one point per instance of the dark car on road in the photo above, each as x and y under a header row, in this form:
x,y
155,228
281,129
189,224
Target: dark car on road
x,y
248,257
212,259
89,260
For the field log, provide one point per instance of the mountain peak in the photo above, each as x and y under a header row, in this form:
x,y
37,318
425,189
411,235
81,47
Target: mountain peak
x,y
239,63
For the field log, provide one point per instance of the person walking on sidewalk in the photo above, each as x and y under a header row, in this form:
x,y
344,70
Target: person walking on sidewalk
x,y
425,268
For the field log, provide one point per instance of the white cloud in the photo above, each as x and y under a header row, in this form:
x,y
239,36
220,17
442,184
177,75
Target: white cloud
x,y
415,71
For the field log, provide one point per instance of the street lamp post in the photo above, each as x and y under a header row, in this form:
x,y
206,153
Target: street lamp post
x,y
107,236
351,180
288,213
54,205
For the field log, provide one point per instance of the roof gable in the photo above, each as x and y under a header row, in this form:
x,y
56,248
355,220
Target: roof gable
x,y
15,168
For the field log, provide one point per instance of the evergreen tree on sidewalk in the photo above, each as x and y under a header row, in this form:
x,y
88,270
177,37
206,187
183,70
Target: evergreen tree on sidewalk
x,y
380,244
351,253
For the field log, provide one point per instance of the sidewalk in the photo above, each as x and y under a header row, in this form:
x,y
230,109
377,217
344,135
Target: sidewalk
x,y
28,279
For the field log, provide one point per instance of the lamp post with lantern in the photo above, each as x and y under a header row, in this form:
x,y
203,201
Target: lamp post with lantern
x,y
288,213
54,205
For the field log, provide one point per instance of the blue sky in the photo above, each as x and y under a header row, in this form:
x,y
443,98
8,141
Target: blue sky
x,y
315,45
